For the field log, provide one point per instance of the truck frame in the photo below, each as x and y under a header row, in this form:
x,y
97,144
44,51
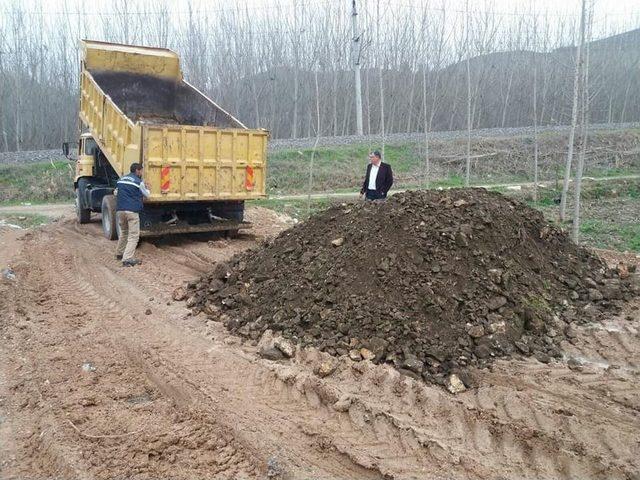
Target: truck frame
x,y
200,163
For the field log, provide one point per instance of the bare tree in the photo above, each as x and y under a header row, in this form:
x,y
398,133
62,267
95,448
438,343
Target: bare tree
x,y
256,60
467,175
577,189
315,145
535,109
574,113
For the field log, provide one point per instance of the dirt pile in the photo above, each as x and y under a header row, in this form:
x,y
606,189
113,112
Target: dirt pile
x,y
432,282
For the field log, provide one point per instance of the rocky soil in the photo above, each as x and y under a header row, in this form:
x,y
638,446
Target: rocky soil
x,y
431,282
104,376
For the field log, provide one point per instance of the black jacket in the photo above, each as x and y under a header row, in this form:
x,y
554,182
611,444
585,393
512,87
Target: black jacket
x,y
384,179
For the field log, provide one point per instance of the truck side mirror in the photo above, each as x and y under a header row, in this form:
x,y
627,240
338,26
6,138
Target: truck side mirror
x,y
65,149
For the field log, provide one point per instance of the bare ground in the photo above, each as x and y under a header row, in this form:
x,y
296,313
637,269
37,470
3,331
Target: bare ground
x,y
103,375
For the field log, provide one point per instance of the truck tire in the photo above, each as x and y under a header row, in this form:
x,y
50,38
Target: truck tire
x,y
109,223
83,214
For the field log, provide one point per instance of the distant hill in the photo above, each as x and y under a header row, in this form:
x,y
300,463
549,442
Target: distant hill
x,y
502,92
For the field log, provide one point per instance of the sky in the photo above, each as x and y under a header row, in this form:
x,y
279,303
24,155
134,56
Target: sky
x,y
601,7
609,15
610,7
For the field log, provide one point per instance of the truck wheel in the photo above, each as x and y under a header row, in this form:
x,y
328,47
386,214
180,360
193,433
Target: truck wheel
x,y
109,226
83,214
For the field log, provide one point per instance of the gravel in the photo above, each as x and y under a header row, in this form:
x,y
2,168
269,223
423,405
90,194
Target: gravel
x,y
38,156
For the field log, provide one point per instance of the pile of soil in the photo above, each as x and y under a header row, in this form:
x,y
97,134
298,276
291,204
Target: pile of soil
x,y
430,281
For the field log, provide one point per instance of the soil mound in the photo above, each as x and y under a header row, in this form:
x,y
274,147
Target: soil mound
x,y
430,281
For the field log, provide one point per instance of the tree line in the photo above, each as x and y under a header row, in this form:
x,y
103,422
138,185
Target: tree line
x,y
288,65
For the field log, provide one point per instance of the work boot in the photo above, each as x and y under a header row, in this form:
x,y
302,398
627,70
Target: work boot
x,y
131,262
118,257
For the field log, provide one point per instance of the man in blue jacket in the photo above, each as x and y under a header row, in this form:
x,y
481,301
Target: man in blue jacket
x,y
129,194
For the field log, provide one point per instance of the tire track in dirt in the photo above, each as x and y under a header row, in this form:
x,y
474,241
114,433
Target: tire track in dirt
x,y
525,420
224,458
104,287
87,287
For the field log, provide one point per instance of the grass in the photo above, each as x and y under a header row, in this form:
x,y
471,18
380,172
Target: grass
x,y
297,208
622,188
340,169
336,168
609,212
537,304
24,220
36,183
611,172
610,233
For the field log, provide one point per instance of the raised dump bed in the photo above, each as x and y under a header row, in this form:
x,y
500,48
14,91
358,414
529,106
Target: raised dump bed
x,y
200,163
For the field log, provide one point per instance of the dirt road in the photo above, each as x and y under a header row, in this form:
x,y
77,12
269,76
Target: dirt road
x,y
103,375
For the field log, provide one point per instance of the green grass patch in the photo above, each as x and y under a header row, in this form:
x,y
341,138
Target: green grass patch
x,y
298,208
24,220
543,202
610,189
337,168
36,182
611,172
538,304
451,182
609,234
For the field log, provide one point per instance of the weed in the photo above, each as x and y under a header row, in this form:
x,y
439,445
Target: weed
x,y
294,208
36,182
537,304
24,220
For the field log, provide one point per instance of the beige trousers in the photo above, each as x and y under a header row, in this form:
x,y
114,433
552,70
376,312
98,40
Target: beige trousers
x,y
129,223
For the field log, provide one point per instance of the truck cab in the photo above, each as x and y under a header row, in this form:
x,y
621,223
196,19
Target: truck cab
x,y
94,177
87,149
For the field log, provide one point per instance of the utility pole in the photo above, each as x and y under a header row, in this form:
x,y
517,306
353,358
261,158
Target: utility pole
x,y
468,49
356,67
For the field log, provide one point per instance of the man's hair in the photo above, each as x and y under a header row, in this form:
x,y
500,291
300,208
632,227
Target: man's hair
x,y
376,153
134,167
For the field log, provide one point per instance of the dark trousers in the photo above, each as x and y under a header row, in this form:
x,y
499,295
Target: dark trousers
x,y
374,195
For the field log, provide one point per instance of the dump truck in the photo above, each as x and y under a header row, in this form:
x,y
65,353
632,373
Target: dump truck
x,y
200,163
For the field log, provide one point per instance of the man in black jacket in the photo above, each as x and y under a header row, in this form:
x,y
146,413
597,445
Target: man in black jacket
x,y
378,179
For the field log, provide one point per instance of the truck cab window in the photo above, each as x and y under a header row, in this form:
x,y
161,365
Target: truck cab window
x,y
90,146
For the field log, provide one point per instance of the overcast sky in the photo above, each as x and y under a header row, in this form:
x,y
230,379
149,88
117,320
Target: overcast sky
x,y
609,15
602,7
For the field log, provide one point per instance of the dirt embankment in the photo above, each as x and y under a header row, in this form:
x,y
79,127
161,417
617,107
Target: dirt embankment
x,y
431,282
104,376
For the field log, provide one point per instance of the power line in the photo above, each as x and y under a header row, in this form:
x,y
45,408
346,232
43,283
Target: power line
x,y
499,13
163,12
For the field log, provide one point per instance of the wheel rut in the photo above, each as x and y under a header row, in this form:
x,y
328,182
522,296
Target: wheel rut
x,y
181,394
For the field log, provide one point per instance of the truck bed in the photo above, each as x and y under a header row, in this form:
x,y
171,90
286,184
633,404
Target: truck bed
x,y
138,108
155,100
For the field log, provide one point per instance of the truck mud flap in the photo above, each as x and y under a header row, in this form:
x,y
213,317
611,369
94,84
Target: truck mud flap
x,y
179,228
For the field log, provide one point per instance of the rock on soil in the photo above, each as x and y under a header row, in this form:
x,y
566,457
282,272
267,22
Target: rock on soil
x,y
431,282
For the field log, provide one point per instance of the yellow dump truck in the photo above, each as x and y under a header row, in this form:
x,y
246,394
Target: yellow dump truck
x,y
200,163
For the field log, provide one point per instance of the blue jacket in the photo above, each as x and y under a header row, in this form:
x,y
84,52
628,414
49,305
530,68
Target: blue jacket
x,y
131,190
